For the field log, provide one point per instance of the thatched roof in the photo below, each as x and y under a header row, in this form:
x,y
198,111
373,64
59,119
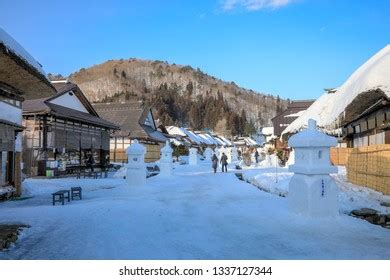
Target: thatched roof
x,y
364,103
19,70
131,117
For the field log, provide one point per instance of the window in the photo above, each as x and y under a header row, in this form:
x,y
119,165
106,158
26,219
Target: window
x,y
11,101
357,129
4,168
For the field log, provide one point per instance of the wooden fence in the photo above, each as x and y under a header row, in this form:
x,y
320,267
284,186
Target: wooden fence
x,y
368,166
339,156
152,153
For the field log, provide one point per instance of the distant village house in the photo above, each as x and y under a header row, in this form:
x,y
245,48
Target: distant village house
x,y
136,121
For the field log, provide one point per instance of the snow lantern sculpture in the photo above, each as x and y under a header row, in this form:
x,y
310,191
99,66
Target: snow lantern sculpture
x,y
208,153
234,154
193,156
166,160
136,169
312,192
291,158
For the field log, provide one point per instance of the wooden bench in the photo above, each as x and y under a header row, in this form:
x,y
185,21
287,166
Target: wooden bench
x,y
76,192
60,196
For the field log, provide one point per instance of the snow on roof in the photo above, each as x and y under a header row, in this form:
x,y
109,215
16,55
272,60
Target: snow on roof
x,y
313,112
228,143
250,141
374,74
268,130
176,142
13,46
219,141
297,114
192,135
208,138
174,130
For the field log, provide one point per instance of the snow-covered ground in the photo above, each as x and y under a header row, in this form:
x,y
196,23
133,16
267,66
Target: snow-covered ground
x,y
351,197
194,214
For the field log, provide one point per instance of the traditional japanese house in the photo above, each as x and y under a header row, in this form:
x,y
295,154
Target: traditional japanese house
x,y
367,119
62,132
294,110
136,121
21,77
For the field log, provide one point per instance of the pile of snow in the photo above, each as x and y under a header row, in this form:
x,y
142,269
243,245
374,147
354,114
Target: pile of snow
x,y
272,180
45,187
374,74
351,197
270,161
13,46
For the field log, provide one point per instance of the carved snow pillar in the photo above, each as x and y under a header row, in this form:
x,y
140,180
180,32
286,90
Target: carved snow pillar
x,y
166,160
193,158
136,169
312,192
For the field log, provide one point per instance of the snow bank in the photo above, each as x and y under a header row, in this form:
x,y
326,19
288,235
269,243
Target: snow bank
x,y
45,187
351,196
270,161
274,180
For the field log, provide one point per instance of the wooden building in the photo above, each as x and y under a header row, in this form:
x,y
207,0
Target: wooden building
x,y
292,112
136,121
367,120
62,132
21,77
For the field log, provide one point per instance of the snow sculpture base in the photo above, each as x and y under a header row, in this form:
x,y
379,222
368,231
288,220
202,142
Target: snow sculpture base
x,y
136,169
208,153
166,165
313,196
136,176
193,158
234,154
165,169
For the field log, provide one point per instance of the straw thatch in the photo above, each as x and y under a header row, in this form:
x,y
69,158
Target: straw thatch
x,y
362,104
17,73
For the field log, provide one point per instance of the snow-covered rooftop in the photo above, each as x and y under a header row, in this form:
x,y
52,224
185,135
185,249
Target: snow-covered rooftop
x,y
298,114
374,74
268,130
13,46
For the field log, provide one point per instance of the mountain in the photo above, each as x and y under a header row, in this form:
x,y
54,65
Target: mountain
x,y
188,89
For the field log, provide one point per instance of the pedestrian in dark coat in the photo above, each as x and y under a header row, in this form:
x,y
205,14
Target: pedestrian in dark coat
x,y
224,162
257,156
214,160
90,162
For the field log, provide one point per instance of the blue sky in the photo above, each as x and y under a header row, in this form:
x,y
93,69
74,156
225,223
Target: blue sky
x,y
291,48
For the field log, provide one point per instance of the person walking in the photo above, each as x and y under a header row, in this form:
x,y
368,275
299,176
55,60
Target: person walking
x,y
90,162
214,160
224,162
257,156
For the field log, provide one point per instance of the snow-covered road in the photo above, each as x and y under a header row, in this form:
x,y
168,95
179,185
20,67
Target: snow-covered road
x,y
195,214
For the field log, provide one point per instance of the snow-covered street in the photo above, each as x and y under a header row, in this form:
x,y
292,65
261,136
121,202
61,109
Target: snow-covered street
x,y
194,214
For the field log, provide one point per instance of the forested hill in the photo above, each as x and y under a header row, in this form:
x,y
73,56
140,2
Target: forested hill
x,y
180,95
